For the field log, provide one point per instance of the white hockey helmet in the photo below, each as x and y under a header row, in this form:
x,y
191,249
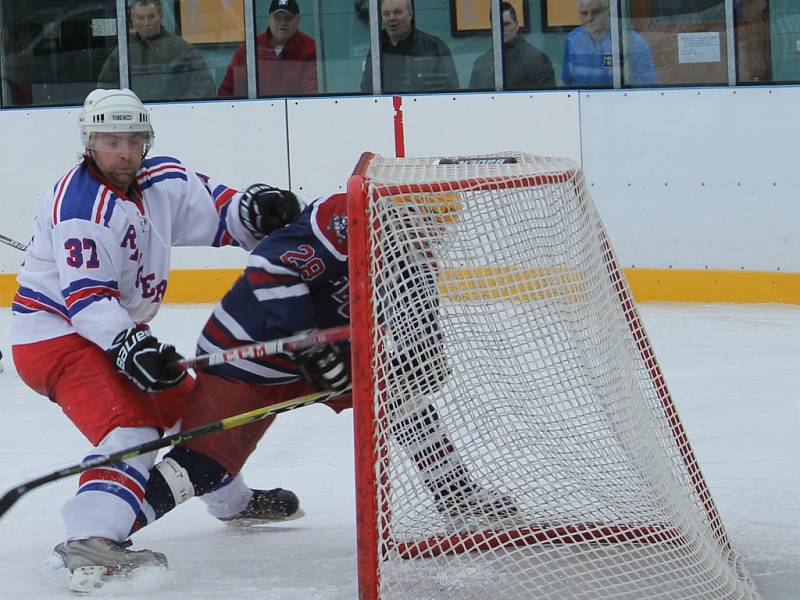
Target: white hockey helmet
x,y
114,111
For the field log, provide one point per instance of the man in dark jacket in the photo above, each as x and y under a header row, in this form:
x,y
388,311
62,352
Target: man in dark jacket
x,y
411,60
286,58
163,66
524,66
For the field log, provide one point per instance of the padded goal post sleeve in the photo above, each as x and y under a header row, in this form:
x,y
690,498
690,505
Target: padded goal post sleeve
x,y
363,405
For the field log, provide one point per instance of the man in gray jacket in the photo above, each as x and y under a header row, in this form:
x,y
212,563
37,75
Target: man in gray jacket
x,y
411,60
524,66
162,65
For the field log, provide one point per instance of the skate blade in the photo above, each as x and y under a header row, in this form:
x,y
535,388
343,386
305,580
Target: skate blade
x,y
53,563
251,522
85,580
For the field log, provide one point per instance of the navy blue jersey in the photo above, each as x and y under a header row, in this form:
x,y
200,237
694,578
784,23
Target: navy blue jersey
x,y
296,279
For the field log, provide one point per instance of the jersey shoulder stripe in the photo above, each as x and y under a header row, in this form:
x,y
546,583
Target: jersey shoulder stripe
x,y
58,191
82,196
160,168
155,162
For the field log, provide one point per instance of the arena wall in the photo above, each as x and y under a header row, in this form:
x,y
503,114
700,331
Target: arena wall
x,y
697,187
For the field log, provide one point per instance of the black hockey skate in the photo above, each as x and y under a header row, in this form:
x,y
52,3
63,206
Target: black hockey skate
x,y
95,561
268,506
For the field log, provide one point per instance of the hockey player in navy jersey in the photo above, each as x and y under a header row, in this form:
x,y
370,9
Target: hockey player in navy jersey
x,y
297,279
94,274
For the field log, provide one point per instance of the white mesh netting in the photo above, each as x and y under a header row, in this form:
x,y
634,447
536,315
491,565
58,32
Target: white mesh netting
x,y
526,444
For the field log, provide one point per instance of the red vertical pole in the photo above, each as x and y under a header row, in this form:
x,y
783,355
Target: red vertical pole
x,y
399,133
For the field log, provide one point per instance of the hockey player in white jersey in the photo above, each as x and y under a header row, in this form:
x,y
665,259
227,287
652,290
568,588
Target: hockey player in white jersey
x,y
94,274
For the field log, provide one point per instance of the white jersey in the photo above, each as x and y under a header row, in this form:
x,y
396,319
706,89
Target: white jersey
x,y
98,262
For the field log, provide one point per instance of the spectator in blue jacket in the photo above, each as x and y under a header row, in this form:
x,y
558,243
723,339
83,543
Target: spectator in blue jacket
x,y
587,52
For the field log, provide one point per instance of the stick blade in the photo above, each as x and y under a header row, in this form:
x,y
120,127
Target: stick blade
x,y
10,498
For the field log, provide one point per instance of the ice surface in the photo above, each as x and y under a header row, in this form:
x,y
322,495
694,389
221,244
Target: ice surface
x,y
733,371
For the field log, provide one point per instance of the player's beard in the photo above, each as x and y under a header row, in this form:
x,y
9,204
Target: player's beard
x,y
122,177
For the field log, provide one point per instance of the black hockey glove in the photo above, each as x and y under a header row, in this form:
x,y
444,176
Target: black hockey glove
x,y
145,361
263,209
324,366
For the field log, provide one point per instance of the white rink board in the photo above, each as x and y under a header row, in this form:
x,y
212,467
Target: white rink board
x,y
544,123
39,145
683,178
236,143
328,135
697,178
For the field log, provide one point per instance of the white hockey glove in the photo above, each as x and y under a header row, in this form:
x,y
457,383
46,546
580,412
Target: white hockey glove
x,y
151,365
263,209
324,366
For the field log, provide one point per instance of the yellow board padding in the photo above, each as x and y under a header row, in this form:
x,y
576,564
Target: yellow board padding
x,y
497,283
687,285
186,286
444,207
648,285
199,286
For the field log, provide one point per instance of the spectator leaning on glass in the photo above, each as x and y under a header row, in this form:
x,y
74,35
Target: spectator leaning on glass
x,y
587,52
162,65
411,60
286,59
524,67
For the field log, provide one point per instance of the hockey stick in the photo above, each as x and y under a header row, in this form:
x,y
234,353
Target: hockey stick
x,y
10,498
13,243
262,349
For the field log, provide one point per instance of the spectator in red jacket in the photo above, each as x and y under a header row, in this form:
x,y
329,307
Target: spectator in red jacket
x,y
286,59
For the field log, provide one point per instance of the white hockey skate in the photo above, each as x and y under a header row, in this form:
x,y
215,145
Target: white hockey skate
x,y
268,506
95,561
475,505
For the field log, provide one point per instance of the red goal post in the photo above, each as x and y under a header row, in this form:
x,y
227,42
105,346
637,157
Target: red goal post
x,y
514,433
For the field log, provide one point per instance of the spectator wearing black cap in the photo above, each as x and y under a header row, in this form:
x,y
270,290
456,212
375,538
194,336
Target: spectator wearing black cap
x,y
286,58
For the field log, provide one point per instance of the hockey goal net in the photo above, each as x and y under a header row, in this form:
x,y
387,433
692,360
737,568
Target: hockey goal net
x,y
514,434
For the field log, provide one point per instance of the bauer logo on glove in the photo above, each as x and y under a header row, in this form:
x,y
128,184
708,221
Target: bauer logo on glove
x,y
139,356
